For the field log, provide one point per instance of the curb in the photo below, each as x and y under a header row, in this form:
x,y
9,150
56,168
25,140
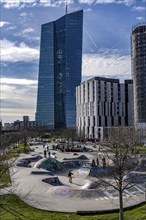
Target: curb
x,y
108,211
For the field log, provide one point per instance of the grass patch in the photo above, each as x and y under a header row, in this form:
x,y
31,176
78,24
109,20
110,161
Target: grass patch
x,y
141,149
12,155
12,208
21,148
5,179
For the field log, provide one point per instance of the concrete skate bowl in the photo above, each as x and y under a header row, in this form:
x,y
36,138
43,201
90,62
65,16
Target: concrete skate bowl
x,y
49,164
78,193
82,157
85,170
100,172
24,162
54,181
84,194
136,177
74,164
91,185
36,171
142,165
53,165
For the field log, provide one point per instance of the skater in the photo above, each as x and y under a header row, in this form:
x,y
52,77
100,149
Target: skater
x,y
70,176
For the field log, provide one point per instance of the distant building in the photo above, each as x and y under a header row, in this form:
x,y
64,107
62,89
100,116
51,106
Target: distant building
x,y
1,124
59,71
8,125
129,103
25,124
103,103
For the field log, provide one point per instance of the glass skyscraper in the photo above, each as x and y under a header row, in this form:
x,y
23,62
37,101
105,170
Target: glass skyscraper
x,y
59,71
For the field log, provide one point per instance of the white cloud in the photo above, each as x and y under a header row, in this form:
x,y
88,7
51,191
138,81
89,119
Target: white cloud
x,y
114,65
89,2
18,81
88,10
14,98
139,8
23,17
3,23
16,3
28,30
55,3
126,2
11,52
28,33
11,28
139,18
24,14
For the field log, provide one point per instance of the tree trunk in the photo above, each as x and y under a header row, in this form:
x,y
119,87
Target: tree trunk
x,y
121,213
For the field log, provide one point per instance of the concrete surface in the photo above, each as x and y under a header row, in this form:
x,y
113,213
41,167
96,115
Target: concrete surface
x,y
65,197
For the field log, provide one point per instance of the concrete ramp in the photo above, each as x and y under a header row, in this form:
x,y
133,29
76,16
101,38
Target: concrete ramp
x,y
54,181
25,161
78,193
50,164
41,172
84,170
84,194
91,185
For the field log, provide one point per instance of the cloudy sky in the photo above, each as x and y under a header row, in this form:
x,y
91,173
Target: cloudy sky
x,y
106,45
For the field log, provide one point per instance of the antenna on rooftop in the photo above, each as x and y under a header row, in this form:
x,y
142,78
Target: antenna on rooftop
x,y
66,7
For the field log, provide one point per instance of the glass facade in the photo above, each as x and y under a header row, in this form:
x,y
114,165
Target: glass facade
x,y
59,71
139,72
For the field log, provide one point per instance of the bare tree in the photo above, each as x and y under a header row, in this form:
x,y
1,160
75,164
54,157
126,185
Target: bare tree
x,y
69,134
118,162
7,141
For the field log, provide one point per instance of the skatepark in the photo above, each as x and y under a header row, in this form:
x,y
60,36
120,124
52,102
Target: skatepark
x,y
43,182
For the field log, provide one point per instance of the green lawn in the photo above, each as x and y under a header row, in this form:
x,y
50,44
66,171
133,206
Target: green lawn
x,y
12,208
141,149
5,179
12,155
21,148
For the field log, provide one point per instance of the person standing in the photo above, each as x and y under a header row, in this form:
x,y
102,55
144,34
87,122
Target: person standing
x,y
104,162
45,152
97,162
70,176
49,153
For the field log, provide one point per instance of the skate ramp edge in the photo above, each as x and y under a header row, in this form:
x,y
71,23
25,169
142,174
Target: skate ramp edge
x,y
54,181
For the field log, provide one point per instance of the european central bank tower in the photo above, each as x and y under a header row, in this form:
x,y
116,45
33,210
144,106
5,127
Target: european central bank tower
x,y
59,71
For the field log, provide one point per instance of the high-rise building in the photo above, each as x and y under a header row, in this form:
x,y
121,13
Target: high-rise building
x,y
129,103
59,71
103,103
139,74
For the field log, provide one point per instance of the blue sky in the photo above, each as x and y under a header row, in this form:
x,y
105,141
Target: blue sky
x,y
106,45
